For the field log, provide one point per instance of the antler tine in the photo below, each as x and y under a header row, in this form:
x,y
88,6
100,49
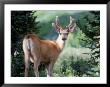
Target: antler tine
x,y
57,21
71,21
72,24
56,24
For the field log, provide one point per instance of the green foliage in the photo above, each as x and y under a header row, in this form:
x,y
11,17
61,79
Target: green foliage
x,y
17,66
90,26
76,67
22,22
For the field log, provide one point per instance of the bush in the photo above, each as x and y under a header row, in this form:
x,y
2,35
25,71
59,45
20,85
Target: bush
x,y
76,66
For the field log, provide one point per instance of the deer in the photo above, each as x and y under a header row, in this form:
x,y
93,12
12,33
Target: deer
x,y
45,51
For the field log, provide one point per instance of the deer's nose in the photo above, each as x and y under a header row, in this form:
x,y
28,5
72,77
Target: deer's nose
x,y
63,38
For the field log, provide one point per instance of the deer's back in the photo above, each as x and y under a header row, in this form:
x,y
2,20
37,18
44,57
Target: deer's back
x,y
46,50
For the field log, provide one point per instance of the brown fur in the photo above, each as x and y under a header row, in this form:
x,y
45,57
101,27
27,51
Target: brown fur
x,y
46,51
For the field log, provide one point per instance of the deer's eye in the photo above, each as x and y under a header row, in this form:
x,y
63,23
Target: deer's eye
x,y
60,33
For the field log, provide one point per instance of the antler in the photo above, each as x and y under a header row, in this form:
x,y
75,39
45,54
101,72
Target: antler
x,y
57,21
56,25
71,25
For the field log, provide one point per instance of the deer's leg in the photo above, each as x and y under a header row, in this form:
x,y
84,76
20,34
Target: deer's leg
x,y
26,59
50,69
36,65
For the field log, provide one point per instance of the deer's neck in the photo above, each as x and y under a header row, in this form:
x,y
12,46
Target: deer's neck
x,y
60,42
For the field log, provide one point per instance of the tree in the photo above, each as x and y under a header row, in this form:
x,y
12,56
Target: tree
x,y
22,23
90,26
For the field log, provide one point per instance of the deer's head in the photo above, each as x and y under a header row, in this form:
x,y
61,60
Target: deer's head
x,y
64,32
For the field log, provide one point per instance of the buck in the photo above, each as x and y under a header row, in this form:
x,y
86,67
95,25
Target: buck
x,y
45,51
